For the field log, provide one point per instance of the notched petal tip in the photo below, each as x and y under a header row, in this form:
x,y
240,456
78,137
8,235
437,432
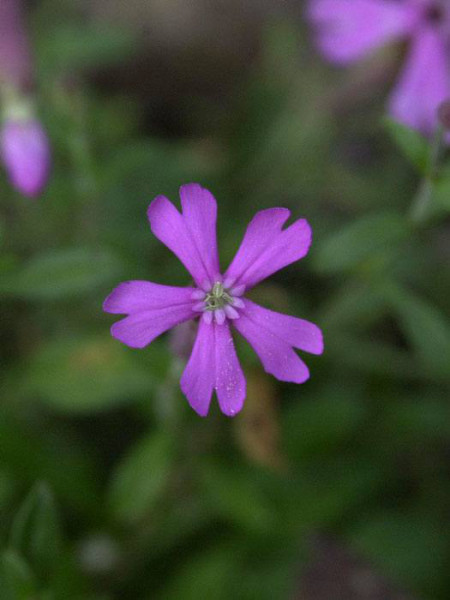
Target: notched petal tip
x,y
297,373
195,197
268,246
231,413
318,347
281,213
121,336
156,205
201,411
233,409
191,188
300,379
190,234
110,302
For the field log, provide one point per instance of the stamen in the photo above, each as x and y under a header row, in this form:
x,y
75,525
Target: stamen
x,y
217,289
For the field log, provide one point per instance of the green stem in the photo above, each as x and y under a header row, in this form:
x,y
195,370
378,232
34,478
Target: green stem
x,y
422,200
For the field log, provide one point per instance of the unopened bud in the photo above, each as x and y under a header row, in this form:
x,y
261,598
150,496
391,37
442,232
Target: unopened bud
x,y
25,153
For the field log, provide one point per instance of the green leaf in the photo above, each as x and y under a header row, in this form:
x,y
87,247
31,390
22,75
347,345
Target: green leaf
x,y
409,545
29,451
88,374
91,45
418,420
141,478
366,242
7,488
371,356
318,492
61,274
356,305
410,143
35,531
427,329
212,572
234,495
16,579
441,189
318,423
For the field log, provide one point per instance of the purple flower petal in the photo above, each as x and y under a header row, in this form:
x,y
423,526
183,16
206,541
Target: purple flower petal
x,y
424,83
267,248
200,215
25,151
273,337
230,380
192,235
139,329
298,333
134,296
152,309
350,29
198,379
213,365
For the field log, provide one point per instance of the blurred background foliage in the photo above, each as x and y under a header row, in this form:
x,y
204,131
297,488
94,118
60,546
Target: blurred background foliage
x,y
110,485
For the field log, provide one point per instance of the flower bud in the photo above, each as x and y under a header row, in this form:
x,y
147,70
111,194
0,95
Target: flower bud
x,y
25,152
24,147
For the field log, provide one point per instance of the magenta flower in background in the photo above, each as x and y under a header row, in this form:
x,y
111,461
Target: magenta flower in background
x,y
25,153
218,301
24,146
350,29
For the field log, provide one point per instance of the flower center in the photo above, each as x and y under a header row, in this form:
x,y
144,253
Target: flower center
x,y
218,297
220,302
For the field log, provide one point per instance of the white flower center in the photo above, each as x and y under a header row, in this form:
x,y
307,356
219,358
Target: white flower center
x,y
219,301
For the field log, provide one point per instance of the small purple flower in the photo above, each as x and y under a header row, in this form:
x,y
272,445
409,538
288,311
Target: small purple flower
x,y
350,29
24,147
25,153
218,300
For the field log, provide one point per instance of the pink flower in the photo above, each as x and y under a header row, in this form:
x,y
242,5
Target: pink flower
x,y
350,29
25,152
24,146
218,300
